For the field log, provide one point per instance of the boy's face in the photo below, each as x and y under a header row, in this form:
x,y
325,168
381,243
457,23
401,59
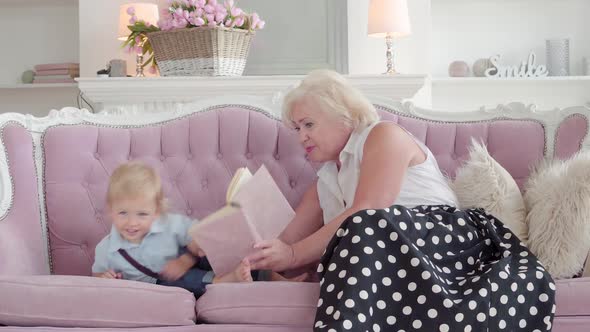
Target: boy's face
x,y
133,218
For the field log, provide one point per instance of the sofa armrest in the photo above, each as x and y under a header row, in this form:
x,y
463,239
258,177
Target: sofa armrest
x,y
22,243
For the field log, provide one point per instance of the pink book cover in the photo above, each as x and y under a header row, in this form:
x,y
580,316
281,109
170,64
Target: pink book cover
x,y
51,72
52,66
58,80
260,211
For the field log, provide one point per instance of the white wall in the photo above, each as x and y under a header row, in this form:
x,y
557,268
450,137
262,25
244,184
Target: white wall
x,y
471,29
35,32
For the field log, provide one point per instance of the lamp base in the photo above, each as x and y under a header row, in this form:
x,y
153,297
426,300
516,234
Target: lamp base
x,y
389,54
138,65
391,72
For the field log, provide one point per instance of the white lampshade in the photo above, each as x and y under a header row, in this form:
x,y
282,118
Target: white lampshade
x,y
144,11
389,17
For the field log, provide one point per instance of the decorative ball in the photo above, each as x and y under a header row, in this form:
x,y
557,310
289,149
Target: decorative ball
x,y
458,69
28,76
480,66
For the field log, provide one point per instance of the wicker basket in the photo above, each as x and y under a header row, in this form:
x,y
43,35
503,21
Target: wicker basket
x,y
203,51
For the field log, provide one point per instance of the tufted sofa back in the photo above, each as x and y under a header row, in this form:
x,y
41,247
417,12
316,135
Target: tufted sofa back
x,y
196,156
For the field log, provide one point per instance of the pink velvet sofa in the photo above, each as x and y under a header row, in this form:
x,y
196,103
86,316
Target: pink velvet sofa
x,y
53,178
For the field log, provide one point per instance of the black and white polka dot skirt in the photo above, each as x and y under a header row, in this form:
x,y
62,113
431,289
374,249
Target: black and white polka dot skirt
x,y
431,268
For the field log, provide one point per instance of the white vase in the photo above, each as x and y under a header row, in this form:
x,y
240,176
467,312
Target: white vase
x,y
558,56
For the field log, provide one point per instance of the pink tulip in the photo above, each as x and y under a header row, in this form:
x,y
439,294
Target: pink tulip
x,y
138,50
220,9
254,21
152,70
236,12
199,21
195,13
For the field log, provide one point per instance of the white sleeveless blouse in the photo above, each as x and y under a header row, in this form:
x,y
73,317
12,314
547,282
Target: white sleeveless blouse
x,y
423,184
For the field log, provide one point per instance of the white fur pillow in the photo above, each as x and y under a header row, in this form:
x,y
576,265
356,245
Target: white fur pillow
x,y
483,183
558,202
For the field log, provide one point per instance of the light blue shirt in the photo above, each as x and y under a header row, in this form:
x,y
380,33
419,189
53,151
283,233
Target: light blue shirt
x,y
162,243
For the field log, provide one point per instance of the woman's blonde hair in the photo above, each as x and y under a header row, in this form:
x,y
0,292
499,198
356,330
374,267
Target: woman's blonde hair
x,y
133,180
333,94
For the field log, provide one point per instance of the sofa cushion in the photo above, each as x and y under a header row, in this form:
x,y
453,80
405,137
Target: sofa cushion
x,y
558,203
483,182
571,297
76,301
266,302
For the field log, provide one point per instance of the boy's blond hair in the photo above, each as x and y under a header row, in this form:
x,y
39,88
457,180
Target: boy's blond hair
x,y
133,180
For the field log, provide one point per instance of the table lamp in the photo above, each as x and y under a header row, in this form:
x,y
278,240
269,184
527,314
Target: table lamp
x,y
147,12
389,19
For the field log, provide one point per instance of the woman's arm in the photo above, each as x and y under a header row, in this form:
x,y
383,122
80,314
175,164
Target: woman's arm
x,y
277,254
387,153
308,217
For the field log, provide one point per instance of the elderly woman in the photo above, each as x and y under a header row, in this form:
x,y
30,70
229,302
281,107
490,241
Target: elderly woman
x,y
396,253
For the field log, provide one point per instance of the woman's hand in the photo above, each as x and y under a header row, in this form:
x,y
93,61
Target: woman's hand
x,y
273,255
110,274
176,268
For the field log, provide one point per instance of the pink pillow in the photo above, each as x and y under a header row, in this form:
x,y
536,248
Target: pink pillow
x,y
263,302
76,301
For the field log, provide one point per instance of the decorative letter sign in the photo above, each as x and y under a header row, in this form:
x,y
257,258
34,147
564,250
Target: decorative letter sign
x,y
526,69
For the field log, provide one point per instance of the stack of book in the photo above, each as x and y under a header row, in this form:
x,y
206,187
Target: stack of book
x,y
56,72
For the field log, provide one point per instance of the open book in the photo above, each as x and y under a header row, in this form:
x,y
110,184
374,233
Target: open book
x,y
256,210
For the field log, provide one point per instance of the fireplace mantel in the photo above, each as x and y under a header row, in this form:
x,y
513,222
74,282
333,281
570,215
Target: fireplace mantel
x,y
160,93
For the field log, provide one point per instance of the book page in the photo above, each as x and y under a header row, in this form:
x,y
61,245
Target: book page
x,y
241,176
225,237
264,205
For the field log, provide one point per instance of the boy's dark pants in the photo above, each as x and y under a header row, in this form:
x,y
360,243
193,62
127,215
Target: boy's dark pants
x,y
200,275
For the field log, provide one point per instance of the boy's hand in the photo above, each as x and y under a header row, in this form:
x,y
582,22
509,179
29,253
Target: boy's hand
x,y
110,274
176,268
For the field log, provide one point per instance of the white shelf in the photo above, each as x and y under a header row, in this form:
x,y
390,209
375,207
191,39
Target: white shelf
x,y
158,92
38,86
468,93
515,80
